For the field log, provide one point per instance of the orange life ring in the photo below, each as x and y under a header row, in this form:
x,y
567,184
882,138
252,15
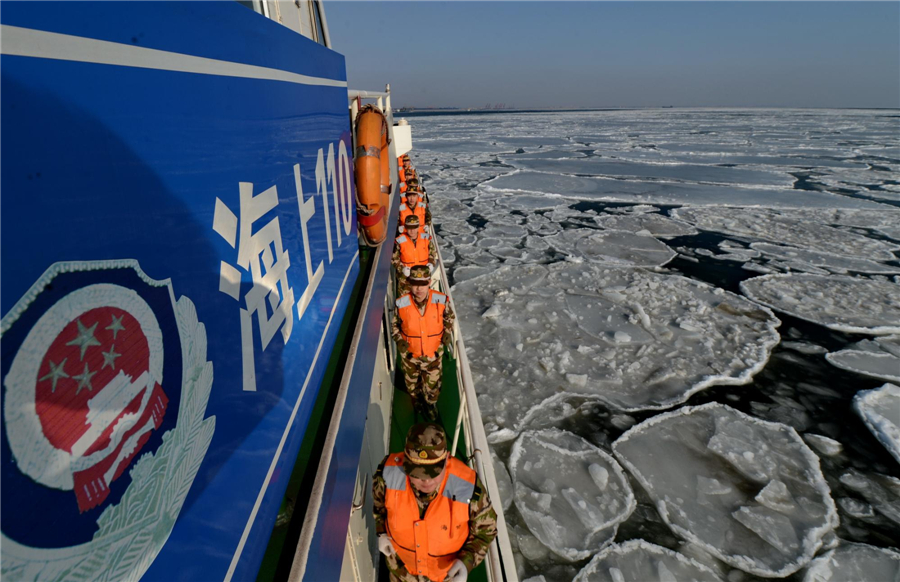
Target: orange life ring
x,y
372,172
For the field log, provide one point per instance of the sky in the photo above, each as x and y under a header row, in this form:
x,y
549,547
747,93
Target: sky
x,y
622,54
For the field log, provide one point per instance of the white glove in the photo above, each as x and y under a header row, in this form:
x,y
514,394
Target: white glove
x,y
387,548
406,271
401,229
430,268
457,572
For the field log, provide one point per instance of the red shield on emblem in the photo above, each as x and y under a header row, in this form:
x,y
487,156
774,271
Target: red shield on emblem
x,y
95,397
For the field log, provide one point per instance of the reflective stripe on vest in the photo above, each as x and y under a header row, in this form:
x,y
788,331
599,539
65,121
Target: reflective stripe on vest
x,y
428,546
458,489
423,332
412,254
394,477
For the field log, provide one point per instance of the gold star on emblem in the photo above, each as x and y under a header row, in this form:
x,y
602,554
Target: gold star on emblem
x,y
116,325
109,358
56,372
84,380
85,338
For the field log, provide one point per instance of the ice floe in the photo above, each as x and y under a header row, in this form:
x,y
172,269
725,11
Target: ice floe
x,y
847,304
881,491
880,410
596,166
612,247
633,338
641,561
786,227
879,358
748,491
831,262
654,224
823,445
571,495
615,190
855,563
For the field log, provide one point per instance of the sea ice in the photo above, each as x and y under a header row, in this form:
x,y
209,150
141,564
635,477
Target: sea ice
x,y
847,304
832,262
881,491
614,190
570,493
880,410
855,563
504,483
644,340
605,167
641,561
807,348
612,247
823,445
884,366
786,227
655,224
879,358
620,247
748,491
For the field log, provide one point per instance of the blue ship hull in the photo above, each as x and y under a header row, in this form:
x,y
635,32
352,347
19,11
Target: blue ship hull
x,y
185,170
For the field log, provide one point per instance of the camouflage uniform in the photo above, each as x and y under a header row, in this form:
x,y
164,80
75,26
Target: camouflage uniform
x,y
422,375
482,517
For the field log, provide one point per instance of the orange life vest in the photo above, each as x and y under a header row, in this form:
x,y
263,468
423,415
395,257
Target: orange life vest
x,y
414,253
423,332
401,173
419,211
428,546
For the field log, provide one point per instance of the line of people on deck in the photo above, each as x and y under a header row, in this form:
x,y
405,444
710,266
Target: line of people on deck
x,y
433,517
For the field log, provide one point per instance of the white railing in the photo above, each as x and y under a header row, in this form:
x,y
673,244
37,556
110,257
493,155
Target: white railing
x,y
501,565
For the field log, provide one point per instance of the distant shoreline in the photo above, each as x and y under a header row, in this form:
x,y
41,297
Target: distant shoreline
x,y
436,112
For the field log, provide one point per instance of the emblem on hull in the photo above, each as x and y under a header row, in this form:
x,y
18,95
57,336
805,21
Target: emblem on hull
x,y
105,386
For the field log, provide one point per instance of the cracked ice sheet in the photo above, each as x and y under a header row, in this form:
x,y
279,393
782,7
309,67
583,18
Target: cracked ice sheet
x,y
613,247
614,190
749,492
880,410
655,224
786,227
605,167
640,561
635,339
832,262
855,563
571,494
848,304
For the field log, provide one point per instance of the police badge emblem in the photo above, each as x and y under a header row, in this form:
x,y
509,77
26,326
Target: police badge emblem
x,y
104,389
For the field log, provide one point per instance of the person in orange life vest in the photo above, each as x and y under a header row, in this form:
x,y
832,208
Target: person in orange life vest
x,y
433,517
422,326
404,167
413,247
406,173
414,203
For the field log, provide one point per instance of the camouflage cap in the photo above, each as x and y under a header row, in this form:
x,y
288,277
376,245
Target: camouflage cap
x,y
419,275
411,221
426,451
